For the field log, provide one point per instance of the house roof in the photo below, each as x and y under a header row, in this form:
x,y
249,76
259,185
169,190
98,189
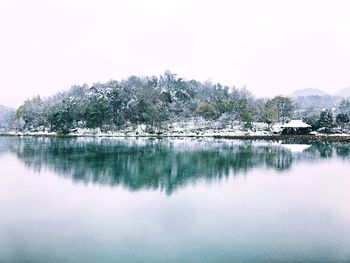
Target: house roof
x,y
296,124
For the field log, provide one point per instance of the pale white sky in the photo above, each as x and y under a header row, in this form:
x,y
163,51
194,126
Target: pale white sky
x,y
271,46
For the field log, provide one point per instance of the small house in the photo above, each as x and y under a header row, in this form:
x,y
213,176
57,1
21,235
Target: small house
x,y
296,127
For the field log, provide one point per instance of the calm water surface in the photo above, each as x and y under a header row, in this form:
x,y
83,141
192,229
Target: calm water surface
x,y
173,200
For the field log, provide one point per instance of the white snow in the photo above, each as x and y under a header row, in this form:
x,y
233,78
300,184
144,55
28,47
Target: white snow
x,y
296,124
193,127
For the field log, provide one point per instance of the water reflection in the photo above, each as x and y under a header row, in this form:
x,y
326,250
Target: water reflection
x,y
166,164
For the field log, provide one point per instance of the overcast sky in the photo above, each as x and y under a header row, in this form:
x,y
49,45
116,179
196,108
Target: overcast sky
x,y
271,47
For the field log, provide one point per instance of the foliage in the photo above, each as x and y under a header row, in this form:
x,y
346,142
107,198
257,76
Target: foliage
x,y
269,114
97,112
283,106
33,113
7,118
342,119
61,117
247,118
344,107
325,122
311,118
207,111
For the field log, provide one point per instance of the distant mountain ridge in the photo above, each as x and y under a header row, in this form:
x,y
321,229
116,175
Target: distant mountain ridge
x,y
343,92
318,92
308,92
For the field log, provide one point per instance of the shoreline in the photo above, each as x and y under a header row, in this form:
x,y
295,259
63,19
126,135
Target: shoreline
x,y
284,138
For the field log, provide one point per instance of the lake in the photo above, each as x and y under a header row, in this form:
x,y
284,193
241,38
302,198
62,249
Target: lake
x,y
173,200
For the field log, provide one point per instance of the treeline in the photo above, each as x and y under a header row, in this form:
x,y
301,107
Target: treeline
x,y
153,101
328,120
7,118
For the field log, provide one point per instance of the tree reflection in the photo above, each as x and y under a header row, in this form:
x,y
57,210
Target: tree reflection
x,y
159,164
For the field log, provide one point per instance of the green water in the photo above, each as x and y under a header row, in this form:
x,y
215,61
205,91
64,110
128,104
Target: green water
x,y
173,200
